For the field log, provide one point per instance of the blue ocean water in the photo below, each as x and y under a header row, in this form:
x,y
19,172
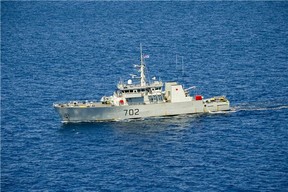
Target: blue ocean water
x,y
59,51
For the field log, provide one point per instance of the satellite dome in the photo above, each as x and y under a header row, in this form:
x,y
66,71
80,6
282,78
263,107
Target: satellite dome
x,y
129,82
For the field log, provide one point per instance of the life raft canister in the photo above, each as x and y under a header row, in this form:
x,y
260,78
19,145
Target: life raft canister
x,y
198,97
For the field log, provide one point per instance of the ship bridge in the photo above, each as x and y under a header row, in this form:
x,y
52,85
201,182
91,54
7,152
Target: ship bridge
x,y
137,94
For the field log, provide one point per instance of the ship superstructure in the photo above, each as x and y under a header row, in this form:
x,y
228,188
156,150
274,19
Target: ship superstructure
x,y
140,100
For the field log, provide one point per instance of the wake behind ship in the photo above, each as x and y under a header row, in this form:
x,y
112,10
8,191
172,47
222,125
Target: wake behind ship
x,y
140,100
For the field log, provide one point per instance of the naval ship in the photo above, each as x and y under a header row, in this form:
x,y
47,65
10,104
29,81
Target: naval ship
x,y
145,98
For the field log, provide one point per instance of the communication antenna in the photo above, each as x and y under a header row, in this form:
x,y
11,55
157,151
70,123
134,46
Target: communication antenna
x,y
176,61
182,67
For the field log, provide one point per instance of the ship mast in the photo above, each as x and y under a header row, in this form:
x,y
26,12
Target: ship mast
x,y
142,68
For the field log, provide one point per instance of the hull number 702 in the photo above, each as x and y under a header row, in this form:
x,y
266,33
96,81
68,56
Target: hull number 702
x,y
131,112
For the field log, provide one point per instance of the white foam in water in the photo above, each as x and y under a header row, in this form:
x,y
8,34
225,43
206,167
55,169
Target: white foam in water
x,y
222,112
255,108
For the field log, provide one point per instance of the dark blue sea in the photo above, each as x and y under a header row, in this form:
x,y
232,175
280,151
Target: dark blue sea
x,y
62,51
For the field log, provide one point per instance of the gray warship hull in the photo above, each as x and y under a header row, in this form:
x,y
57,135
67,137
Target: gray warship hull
x,y
93,112
142,99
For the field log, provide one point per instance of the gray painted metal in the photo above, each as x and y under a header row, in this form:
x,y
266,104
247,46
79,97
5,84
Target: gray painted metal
x,y
104,112
140,101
